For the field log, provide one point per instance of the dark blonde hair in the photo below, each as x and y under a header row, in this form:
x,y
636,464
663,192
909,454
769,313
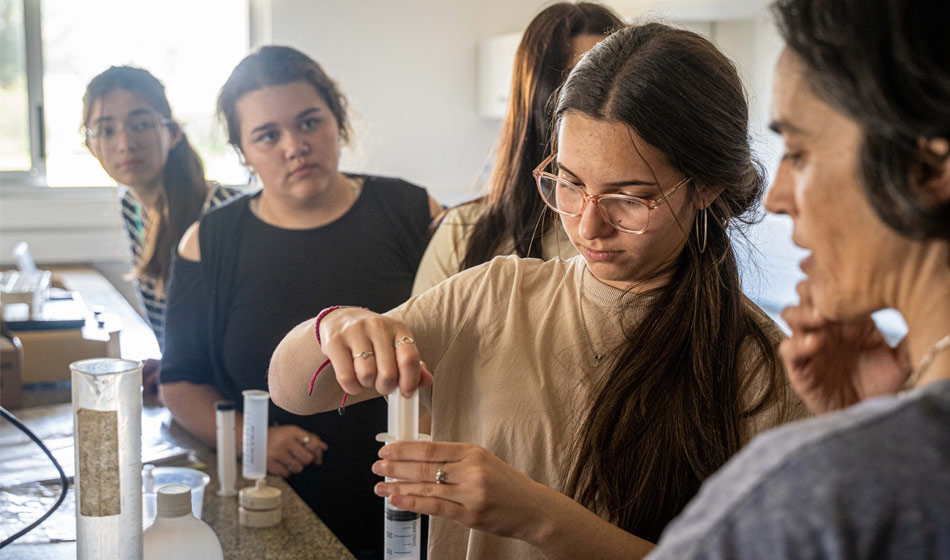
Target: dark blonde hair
x,y
185,188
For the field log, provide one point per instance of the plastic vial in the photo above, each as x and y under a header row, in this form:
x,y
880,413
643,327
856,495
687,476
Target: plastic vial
x,y
176,532
254,464
107,425
402,529
227,457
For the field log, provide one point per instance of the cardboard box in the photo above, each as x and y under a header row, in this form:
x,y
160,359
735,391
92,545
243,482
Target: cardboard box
x,y
48,353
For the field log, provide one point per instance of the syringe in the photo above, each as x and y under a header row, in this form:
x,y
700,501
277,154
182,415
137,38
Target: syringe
x,y
403,529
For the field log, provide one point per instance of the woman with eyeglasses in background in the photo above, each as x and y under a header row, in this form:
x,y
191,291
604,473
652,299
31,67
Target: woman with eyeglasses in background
x,y
129,128
507,219
252,269
577,405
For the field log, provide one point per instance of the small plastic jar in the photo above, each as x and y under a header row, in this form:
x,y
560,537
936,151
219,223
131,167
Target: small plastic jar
x,y
259,505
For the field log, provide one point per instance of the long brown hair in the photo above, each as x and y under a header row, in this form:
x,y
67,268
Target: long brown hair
x,y
670,411
184,187
512,205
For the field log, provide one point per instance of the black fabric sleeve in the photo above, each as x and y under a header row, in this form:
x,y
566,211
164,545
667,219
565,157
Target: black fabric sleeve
x,y
186,356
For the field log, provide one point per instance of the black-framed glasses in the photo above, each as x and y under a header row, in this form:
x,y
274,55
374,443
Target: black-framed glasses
x,y
136,127
626,213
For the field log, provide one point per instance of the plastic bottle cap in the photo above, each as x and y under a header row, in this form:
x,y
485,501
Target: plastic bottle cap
x,y
224,405
174,500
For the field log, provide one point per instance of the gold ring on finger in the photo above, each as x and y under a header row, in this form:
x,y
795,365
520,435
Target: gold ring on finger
x,y
440,474
365,354
404,340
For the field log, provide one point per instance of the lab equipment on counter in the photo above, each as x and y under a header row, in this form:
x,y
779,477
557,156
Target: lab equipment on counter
x,y
155,477
107,423
177,533
259,504
227,457
403,529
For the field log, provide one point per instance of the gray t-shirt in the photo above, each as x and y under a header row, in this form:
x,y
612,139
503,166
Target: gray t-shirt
x,y
871,481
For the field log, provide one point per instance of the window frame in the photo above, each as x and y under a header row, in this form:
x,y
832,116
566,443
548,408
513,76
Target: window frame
x,y
259,32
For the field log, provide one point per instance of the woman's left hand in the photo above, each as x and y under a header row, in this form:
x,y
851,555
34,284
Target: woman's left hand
x,y
478,491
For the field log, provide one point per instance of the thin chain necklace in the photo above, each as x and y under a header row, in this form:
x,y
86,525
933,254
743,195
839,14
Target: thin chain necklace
x,y
580,304
939,347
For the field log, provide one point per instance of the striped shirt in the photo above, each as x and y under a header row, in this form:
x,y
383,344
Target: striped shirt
x,y
152,303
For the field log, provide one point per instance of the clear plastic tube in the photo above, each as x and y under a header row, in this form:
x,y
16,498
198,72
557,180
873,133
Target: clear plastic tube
x,y
227,457
254,464
403,529
107,424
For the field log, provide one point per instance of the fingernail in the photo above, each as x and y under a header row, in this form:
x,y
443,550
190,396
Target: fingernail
x,y
381,490
384,452
378,467
809,339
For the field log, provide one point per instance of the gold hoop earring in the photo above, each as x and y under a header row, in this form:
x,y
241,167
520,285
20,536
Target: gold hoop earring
x,y
702,246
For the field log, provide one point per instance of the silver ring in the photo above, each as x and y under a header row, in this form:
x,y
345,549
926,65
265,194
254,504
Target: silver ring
x,y
364,354
440,474
404,340
305,440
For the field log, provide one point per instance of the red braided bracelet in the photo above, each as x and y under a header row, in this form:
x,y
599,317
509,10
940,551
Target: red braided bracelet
x,y
316,329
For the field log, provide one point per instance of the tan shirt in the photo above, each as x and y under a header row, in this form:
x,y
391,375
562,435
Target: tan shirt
x,y
513,371
446,249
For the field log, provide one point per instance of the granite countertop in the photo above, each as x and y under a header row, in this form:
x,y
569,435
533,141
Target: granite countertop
x,y
299,535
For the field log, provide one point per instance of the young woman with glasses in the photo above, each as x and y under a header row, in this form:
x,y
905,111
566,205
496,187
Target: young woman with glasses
x,y
129,128
578,405
252,269
505,220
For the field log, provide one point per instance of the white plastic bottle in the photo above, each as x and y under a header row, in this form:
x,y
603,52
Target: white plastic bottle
x,y
176,532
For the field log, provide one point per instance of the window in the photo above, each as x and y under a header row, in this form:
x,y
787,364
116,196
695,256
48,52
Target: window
x,y
52,49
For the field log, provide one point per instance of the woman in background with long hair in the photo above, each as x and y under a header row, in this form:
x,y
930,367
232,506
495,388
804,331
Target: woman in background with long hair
x,y
507,220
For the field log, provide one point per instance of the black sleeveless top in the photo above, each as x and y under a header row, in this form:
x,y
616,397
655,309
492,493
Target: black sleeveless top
x,y
255,282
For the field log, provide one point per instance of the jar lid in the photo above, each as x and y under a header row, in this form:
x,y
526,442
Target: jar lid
x,y
260,496
173,500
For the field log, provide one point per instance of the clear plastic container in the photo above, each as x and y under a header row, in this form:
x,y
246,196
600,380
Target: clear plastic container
x,y
254,463
164,476
107,425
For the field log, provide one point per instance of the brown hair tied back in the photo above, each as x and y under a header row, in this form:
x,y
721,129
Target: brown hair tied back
x,y
275,66
670,412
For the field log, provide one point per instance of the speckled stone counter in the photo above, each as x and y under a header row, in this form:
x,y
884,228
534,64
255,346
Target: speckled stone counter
x,y
300,534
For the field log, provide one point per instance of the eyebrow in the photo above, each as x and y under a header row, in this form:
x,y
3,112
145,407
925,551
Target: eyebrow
x,y
631,183
132,114
302,114
785,127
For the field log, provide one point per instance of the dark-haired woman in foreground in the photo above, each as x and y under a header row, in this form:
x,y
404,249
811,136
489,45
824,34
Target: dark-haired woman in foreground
x,y
507,220
254,268
620,378
862,101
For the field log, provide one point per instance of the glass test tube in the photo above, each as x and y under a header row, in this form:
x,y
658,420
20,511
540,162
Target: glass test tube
x,y
107,426
254,464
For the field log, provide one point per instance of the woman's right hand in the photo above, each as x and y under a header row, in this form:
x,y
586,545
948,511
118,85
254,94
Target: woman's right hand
x,y
835,364
291,448
370,351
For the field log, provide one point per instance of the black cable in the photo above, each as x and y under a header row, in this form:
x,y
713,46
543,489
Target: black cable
x,y
62,476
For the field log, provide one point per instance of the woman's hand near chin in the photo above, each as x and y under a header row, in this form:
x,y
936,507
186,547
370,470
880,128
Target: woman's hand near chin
x,y
835,364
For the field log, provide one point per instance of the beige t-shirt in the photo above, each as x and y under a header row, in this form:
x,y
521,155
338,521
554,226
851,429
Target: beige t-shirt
x,y
443,256
514,371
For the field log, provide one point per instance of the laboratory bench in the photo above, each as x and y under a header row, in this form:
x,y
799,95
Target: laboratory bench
x,y
299,535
